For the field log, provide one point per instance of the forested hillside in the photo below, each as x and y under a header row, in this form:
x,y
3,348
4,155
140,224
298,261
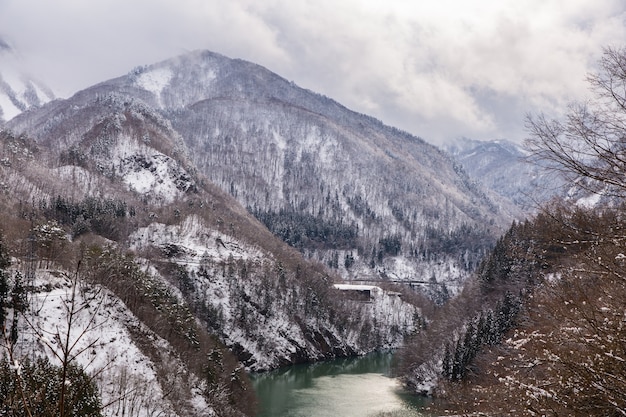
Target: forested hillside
x,y
539,329
334,184
122,263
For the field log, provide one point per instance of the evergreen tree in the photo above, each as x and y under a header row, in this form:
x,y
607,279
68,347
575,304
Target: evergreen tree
x,y
446,364
349,260
34,390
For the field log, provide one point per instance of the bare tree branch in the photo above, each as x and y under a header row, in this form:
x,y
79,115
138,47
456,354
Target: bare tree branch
x,y
589,147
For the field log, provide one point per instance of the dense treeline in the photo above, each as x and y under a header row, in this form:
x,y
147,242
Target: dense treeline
x,y
564,353
497,299
466,241
486,329
302,230
36,391
103,216
481,315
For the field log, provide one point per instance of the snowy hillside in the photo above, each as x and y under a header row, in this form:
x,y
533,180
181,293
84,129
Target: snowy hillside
x,y
204,290
365,199
503,167
219,273
103,334
217,205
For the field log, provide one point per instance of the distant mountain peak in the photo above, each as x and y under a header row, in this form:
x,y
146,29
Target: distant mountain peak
x,y
502,166
19,91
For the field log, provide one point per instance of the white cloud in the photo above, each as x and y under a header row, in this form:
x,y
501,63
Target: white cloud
x,y
438,69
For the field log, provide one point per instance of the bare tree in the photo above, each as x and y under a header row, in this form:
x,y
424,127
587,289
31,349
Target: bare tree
x,y
66,345
66,341
589,146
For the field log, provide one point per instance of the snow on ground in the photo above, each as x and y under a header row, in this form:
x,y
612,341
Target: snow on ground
x,y
152,176
589,201
195,242
155,81
126,378
113,351
271,339
257,313
17,86
149,172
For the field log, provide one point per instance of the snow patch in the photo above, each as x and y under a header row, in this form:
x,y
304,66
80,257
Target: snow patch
x,y
155,81
590,201
155,175
100,337
193,242
9,110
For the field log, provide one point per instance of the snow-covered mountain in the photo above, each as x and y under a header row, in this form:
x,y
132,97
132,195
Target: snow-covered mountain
x,y
503,167
158,188
365,198
197,283
19,91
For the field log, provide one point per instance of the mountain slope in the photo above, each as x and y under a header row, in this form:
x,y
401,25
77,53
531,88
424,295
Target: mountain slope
x,y
149,180
502,167
109,186
364,198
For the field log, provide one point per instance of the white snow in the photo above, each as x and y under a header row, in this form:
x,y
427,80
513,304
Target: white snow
x,y
590,201
100,328
149,172
155,81
214,261
8,108
14,75
356,287
197,241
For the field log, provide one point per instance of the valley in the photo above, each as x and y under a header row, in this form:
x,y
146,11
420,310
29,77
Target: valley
x,y
202,210
168,232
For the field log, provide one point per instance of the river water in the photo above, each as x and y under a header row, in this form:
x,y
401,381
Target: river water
x,y
353,387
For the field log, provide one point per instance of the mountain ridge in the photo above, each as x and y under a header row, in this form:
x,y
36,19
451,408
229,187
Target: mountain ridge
x,y
235,111
505,168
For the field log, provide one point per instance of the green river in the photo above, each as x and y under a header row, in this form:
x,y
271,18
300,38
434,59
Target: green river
x,y
353,387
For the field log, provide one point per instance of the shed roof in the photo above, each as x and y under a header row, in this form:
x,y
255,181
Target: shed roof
x,y
355,287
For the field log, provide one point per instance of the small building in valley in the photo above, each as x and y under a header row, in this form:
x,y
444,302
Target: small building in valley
x,y
357,292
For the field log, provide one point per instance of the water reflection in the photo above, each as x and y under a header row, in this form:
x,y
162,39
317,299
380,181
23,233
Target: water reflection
x,y
340,388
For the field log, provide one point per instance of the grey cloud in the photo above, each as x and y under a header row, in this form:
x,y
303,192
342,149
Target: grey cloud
x,y
437,69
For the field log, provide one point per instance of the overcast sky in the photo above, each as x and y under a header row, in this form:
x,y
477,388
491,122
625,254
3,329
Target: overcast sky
x,y
437,68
